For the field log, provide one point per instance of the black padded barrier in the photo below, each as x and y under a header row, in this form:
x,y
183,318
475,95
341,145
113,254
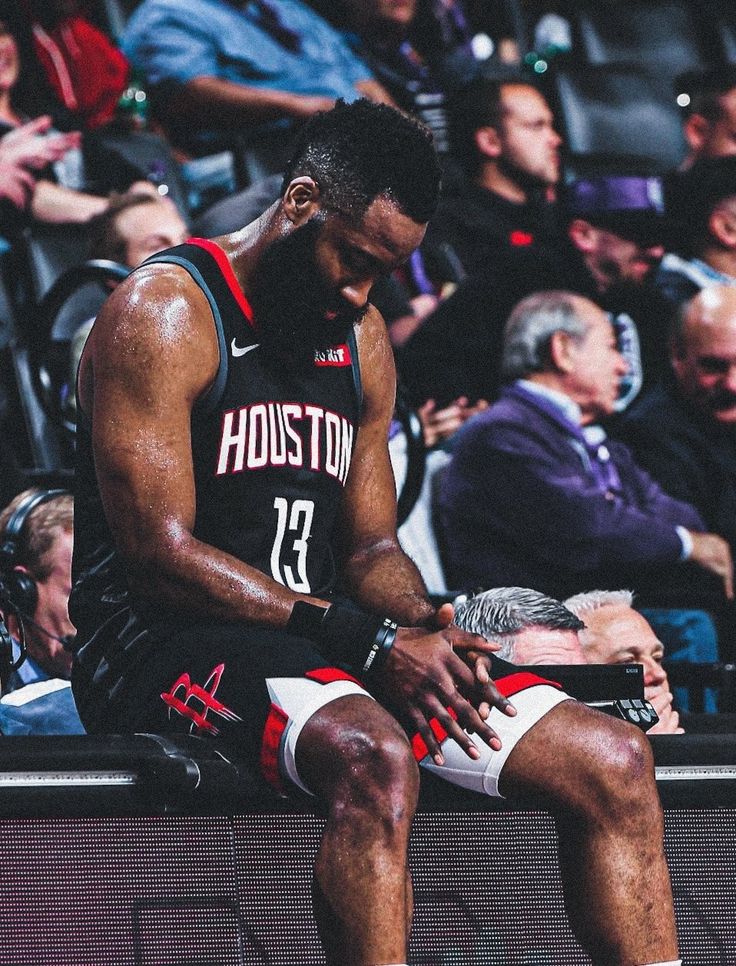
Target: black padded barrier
x,y
144,851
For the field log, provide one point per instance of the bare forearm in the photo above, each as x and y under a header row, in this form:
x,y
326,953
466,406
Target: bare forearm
x,y
192,577
384,580
210,99
55,204
375,92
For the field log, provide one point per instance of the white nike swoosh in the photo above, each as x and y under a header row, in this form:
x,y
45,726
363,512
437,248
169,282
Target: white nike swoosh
x,y
241,350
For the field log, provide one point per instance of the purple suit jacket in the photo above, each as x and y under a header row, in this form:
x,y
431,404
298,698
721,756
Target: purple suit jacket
x,y
520,505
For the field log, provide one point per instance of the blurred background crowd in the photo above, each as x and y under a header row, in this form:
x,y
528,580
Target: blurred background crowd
x,y
565,336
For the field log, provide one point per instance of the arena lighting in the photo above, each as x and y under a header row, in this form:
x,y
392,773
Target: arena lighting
x,y
694,773
67,778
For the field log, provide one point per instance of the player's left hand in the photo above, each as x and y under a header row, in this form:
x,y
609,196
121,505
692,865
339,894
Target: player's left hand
x,y
479,662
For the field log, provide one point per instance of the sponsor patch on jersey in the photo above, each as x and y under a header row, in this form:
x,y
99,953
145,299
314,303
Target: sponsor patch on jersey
x,y
336,355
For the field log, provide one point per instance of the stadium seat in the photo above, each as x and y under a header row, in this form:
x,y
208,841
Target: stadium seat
x,y
668,36
697,678
725,23
619,110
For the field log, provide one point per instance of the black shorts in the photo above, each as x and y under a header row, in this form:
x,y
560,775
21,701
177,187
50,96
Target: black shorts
x,y
253,689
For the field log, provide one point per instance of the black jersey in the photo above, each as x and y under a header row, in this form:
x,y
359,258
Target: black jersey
x,y
271,453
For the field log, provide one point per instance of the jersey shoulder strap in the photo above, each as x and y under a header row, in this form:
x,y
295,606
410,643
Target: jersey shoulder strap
x,y
210,269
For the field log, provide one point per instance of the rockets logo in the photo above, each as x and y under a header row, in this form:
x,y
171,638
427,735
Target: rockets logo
x,y
195,702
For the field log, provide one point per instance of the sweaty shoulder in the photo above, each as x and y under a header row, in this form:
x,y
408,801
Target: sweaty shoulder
x,y
157,324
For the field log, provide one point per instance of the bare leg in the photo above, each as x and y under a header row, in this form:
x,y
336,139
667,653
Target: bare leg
x,y
598,777
357,759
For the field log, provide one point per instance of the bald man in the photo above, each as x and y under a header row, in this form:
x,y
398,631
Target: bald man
x,y
684,432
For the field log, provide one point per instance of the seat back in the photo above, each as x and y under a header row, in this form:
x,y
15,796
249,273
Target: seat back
x,y
152,156
668,36
698,678
416,533
49,251
725,23
619,110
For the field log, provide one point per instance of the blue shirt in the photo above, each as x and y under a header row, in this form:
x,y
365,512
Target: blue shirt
x,y
35,704
178,40
28,673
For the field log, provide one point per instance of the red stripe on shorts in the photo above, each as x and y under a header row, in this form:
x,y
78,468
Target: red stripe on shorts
x,y
326,675
509,685
418,744
520,681
272,733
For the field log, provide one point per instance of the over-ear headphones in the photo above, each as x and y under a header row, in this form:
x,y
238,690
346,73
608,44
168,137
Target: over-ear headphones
x,y
21,587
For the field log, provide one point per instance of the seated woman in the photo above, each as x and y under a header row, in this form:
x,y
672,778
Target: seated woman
x,y
61,193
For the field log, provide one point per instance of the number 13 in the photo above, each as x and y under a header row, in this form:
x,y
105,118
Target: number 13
x,y
303,509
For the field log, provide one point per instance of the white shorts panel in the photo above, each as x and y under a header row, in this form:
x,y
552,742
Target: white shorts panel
x,y
482,775
300,698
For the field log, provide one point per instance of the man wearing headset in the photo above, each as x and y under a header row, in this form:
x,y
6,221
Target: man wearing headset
x,y
35,581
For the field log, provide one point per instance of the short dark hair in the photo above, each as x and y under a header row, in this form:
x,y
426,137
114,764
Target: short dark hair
x,y
475,105
704,89
105,241
693,195
361,151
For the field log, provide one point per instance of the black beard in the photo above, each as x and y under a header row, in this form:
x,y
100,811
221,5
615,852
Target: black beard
x,y
721,399
295,313
530,183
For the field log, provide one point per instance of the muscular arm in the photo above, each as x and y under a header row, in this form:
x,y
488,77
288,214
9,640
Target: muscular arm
x,y
377,572
206,99
212,99
55,204
139,381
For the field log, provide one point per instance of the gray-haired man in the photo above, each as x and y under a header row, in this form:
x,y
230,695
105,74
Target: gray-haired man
x,y
596,627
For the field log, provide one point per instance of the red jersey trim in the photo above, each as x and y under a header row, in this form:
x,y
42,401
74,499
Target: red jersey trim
x,y
225,267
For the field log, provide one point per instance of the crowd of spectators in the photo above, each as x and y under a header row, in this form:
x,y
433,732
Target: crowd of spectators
x,y
567,335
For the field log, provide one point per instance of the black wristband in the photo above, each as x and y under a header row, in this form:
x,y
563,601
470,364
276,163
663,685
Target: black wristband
x,y
306,620
350,637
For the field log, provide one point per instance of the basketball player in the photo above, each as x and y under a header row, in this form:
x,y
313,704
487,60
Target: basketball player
x,y
233,482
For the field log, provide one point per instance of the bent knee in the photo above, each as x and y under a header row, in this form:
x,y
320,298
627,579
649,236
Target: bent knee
x,y
378,757
356,751
619,770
